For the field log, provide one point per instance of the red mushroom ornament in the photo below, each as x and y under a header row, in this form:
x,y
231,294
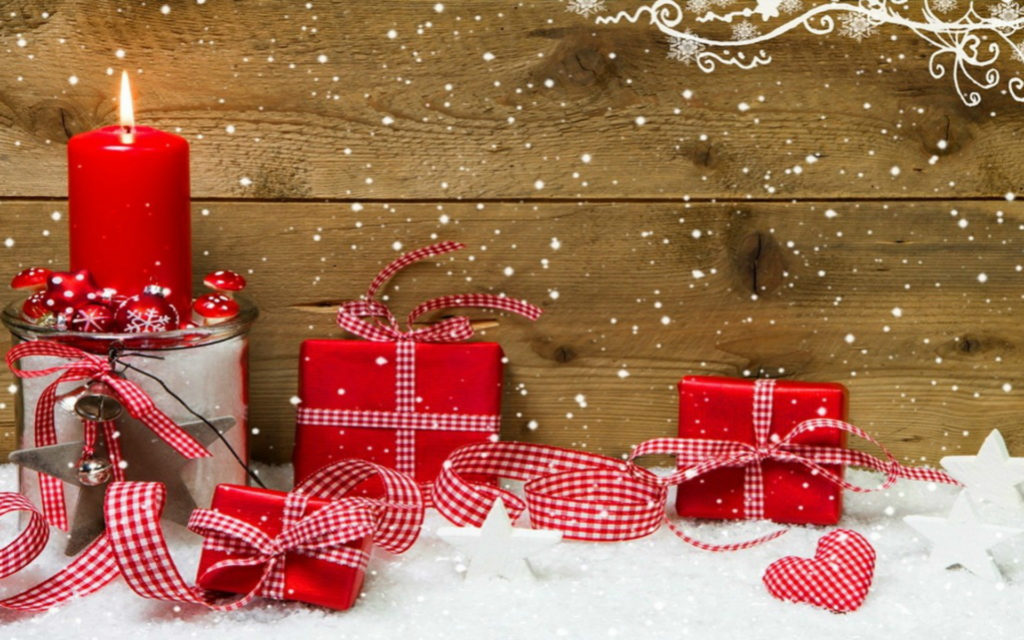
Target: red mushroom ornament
x,y
224,281
214,308
34,278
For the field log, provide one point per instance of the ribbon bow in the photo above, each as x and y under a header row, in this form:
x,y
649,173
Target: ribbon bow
x,y
322,534
384,326
82,365
695,457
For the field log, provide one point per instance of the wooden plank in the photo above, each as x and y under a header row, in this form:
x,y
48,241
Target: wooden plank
x,y
888,298
283,102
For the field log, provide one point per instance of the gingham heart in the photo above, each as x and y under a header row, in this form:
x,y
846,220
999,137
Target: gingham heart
x,y
837,577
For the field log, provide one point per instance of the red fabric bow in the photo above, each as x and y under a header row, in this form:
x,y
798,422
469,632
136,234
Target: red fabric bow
x,y
82,365
321,535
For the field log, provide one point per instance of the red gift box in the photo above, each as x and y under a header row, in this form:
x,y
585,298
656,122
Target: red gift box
x,y
410,395
351,403
724,409
308,576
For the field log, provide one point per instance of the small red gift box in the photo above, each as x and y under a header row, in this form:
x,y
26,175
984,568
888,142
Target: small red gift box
x,y
760,413
410,395
351,405
313,575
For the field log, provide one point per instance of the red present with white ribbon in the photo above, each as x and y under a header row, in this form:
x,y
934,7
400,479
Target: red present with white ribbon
x,y
743,419
285,546
404,397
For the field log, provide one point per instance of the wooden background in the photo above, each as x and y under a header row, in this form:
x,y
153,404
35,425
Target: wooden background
x,y
664,229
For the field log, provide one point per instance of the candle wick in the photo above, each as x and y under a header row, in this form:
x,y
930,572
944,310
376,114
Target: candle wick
x,y
127,134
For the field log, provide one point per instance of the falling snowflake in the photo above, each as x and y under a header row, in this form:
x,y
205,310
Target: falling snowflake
x,y
698,7
585,7
685,49
146,321
792,6
744,31
856,26
944,6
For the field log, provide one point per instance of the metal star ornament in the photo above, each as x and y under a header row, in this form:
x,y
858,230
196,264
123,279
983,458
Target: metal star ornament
x,y
147,457
990,476
962,539
497,549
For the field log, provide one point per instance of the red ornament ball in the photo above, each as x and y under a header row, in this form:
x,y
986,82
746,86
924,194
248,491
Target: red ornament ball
x,y
146,312
93,317
66,291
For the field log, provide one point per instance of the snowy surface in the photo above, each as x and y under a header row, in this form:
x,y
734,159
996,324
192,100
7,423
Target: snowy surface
x,y
657,587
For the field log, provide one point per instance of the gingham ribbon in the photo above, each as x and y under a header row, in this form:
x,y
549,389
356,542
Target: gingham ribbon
x,y
321,535
584,495
696,457
90,571
134,547
384,327
80,366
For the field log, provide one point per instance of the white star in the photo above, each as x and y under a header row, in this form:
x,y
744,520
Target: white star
x,y
497,549
991,475
961,539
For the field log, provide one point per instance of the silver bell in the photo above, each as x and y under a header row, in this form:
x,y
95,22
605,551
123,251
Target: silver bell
x,y
92,472
98,403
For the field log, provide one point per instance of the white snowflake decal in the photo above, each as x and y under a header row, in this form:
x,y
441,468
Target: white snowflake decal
x,y
685,49
857,26
792,6
585,7
721,3
698,7
744,31
1006,10
944,6
146,321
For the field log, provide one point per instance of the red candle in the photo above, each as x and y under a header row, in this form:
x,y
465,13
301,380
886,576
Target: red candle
x,y
128,208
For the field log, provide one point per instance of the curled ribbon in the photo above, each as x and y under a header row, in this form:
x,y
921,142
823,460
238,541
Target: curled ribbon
x,y
322,535
385,326
82,365
584,495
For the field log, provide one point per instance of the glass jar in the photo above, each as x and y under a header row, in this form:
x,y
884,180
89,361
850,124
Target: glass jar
x,y
207,367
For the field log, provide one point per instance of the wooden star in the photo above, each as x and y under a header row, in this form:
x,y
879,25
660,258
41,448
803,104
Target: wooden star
x,y
961,539
990,476
497,549
147,457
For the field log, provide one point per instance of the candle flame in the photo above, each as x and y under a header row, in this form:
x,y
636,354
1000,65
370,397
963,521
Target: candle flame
x,y
127,112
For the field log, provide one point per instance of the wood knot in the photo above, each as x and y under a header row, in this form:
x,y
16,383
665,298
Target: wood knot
x,y
563,354
973,345
58,120
943,135
286,181
760,263
580,67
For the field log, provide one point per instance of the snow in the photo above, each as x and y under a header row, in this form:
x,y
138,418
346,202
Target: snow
x,y
657,587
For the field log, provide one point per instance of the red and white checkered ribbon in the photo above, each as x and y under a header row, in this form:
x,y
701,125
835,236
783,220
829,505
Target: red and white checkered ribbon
x,y
584,495
134,547
90,571
322,535
696,457
87,366
384,327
